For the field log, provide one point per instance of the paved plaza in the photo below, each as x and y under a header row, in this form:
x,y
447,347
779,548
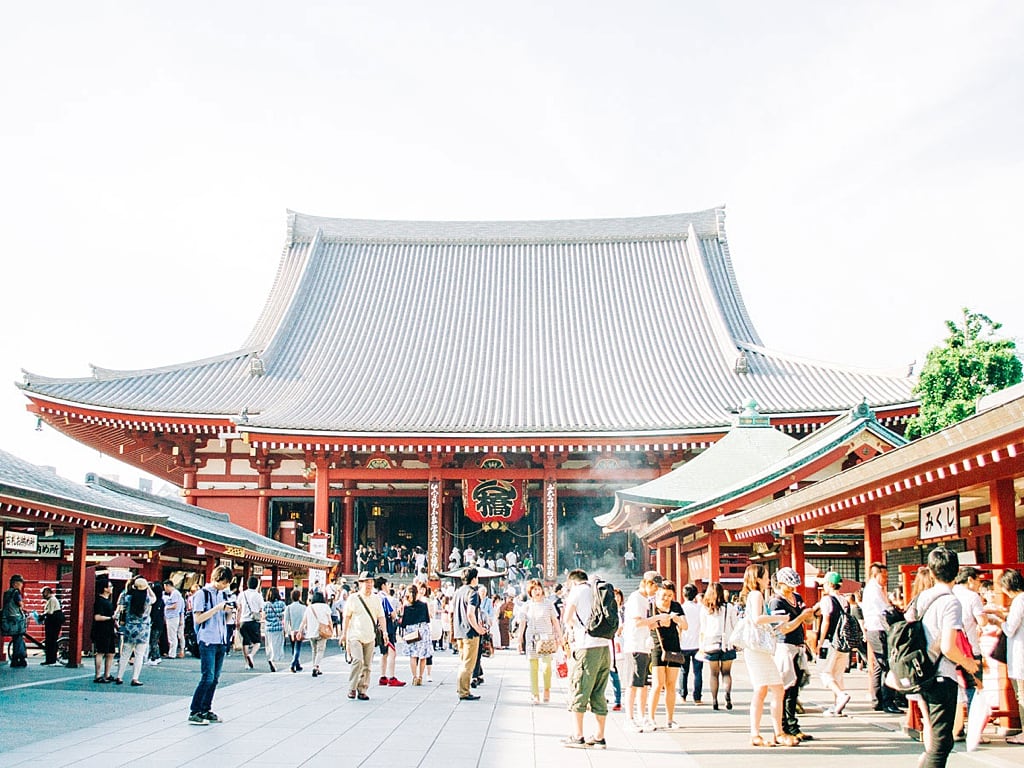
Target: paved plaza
x,y
58,717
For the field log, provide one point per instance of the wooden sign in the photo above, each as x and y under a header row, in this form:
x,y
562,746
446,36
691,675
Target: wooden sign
x,y
939,519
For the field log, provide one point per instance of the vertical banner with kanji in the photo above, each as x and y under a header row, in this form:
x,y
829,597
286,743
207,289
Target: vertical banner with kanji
x,y
433,528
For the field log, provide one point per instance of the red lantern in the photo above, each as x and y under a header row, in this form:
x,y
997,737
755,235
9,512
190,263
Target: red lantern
x,y
489,501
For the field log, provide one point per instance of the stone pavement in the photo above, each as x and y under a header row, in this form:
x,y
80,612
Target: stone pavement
x,y
57,717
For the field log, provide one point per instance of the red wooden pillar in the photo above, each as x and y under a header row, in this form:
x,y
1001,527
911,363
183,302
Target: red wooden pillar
x,y
714,557
262,503
1004,522
872,542
77,599
321,496
796,555
1003,499
348,532
189,487
550,538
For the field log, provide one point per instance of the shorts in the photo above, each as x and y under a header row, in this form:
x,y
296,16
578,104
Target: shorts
x,y
250,632
641,670
833,666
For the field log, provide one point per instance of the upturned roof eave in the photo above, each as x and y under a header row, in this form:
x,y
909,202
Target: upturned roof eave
x,y
992,426
793,463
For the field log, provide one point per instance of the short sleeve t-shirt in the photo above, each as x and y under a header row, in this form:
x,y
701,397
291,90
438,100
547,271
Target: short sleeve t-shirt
x,y
359,624
213,631
636,639
582,599
941,612
689,638
467,600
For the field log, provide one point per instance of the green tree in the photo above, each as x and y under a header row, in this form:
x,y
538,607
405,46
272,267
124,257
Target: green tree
x,y
971,363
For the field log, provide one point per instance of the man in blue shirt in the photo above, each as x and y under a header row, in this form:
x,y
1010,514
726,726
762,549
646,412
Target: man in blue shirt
x,y
208,607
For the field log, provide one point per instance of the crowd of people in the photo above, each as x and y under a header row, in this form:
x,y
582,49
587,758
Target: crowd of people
x,y
664,642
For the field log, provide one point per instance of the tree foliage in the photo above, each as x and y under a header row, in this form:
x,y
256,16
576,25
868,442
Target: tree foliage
x,y
971,363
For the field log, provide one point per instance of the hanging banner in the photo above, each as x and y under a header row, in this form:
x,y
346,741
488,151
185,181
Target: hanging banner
x,y
488,501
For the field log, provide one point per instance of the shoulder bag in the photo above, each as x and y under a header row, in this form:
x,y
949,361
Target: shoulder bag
x,y
999,649
669,657
378,636
752,636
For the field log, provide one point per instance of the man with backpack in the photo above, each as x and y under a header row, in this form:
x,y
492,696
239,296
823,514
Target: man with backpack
x,y
209,606
939,612
832,650
591,622
15,621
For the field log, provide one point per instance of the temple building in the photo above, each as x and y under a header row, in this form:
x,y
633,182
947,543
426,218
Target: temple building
x,y
484,384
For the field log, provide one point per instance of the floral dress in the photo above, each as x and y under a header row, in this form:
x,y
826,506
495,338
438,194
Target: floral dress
x,y
416,618
135,629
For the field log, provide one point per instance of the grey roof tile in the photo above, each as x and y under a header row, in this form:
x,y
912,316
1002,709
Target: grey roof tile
x,y
603,327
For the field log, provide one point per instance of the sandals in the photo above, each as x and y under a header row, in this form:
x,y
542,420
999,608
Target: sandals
x,y
759,741
787,740
1018,739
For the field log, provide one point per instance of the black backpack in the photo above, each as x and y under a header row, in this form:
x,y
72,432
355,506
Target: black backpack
x,y
848,635
604,616
912,667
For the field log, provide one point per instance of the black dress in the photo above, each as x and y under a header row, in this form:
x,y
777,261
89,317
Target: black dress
x,y
666,638
104,638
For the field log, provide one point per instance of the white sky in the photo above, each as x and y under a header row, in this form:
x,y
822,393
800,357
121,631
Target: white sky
x,y
869,155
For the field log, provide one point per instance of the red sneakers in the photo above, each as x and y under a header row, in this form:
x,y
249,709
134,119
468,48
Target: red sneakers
x,y
383,681
394,682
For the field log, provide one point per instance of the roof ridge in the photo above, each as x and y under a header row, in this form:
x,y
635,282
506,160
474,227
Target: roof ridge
x,y
303,227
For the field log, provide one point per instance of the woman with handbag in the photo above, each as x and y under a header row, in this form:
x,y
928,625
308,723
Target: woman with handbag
x,y
764,675
415,632
717,621
543,636
293,616
317,626
667,656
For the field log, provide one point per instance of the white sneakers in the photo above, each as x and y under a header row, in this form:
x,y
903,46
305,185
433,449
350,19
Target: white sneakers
x,y
644,726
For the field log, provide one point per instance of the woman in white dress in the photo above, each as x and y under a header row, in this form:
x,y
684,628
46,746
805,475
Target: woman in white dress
x,y
764,675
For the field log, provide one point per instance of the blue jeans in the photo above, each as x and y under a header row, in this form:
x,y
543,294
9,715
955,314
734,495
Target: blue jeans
x,y
18,651
692,662
296,652
211,659
613,674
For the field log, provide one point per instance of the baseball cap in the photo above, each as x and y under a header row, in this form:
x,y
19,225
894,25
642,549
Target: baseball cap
x,y
653,576
833,578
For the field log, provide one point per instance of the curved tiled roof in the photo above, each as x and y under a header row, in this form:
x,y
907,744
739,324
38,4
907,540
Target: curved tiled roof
x,y
604,327
116,504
